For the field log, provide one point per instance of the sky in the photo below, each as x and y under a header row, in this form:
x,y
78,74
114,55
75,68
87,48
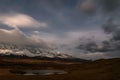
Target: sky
x,y
51,23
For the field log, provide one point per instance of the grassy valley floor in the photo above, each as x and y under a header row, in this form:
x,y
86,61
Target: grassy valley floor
x,y
97,70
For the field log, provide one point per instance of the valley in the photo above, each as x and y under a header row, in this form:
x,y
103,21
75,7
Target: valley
x,y
104,69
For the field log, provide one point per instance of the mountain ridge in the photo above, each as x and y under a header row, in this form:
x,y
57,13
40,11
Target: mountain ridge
x,y
35,52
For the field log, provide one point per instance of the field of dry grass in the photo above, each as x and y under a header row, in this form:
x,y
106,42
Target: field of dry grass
x,y
97,70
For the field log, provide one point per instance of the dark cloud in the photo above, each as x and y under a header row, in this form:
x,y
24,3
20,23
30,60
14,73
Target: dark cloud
x,y
88,6
113,28
109,26
65,23
106,6
109,5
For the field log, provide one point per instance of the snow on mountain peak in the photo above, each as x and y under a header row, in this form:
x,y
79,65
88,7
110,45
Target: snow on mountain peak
x,y
7,49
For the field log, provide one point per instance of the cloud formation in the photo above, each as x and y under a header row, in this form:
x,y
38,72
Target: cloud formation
x,y
15,36
17,20
68,39
105,6
68,27
109,5
87,6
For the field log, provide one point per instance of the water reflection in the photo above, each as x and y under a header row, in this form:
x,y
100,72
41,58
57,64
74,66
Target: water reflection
x,y
37,72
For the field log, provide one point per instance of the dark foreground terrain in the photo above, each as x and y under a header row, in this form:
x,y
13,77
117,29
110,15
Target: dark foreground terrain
x,y
97,70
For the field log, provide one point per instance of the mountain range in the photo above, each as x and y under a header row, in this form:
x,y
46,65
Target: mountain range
x,y
36,52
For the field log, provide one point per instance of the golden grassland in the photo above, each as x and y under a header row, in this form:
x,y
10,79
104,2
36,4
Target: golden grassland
x,y
97,70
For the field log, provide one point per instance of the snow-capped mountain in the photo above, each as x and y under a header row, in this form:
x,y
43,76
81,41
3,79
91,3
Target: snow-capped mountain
x,y
30,51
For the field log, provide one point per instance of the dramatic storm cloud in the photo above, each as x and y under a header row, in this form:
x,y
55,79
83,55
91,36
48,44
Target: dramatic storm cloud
x,y
108,6
59,24
109,11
